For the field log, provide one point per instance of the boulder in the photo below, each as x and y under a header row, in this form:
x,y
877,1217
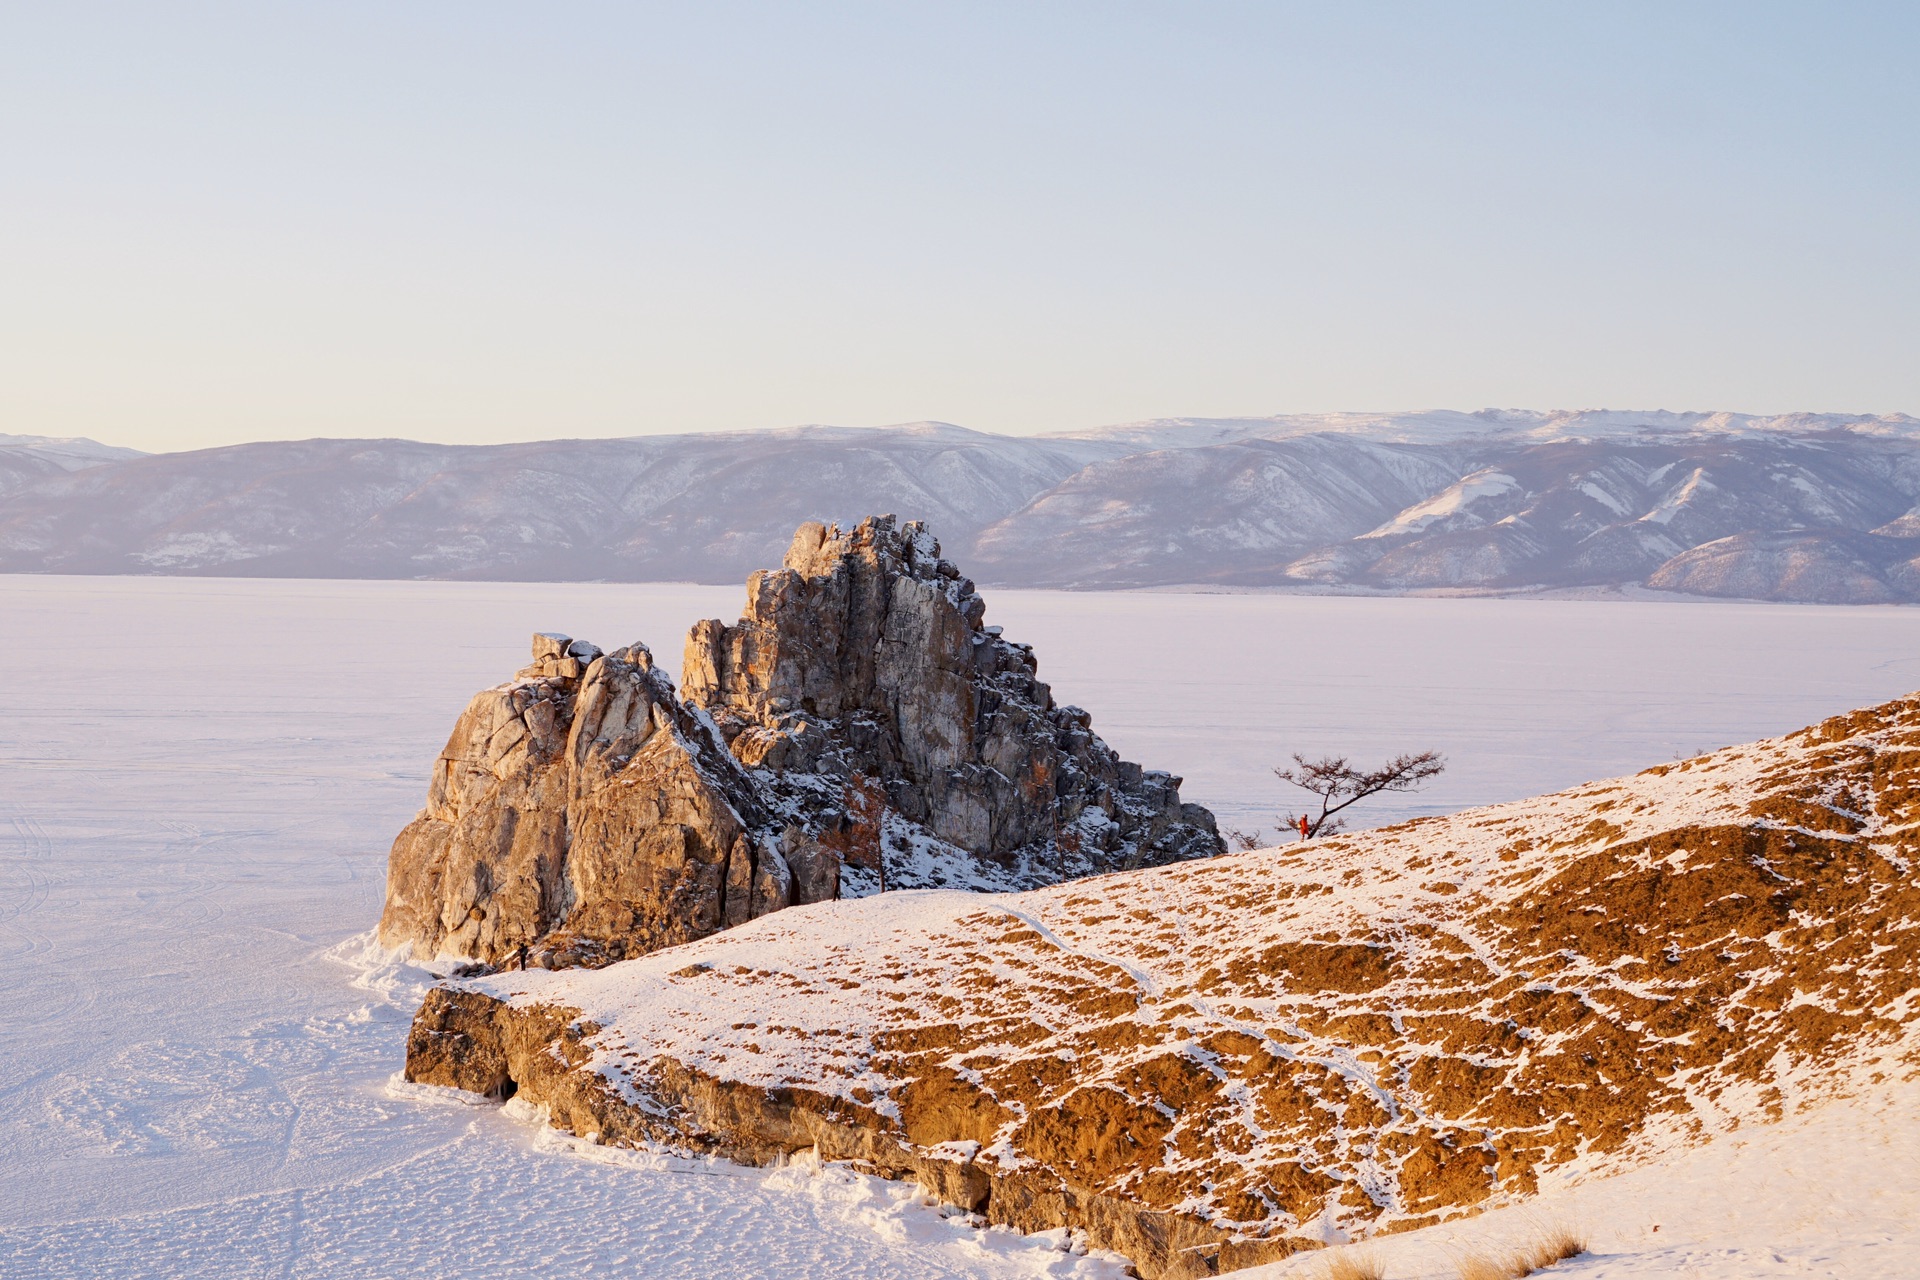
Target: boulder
x,y
860,728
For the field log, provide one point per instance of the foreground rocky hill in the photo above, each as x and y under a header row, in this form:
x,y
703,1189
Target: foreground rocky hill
x,y
1221,1062
1809,507
861,727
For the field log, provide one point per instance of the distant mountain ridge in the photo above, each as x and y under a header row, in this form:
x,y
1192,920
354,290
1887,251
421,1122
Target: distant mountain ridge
x,y
1805,507
1436,426
26,459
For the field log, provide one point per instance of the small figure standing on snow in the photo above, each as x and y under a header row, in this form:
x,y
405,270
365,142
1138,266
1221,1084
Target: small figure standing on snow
x,y
523,955
1303,826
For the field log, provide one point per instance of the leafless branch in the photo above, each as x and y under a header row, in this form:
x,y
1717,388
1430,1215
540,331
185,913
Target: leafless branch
x,y
1338,784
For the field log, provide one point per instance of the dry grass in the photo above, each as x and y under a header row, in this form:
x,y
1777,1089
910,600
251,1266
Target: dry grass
x,y
1349,1264
1550,1245
1478,1266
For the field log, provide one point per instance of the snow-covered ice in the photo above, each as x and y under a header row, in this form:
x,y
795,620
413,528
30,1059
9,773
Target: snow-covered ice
x,y
199,780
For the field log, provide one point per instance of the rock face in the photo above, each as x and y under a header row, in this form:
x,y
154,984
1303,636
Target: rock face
x,y
865,658
1212,1064
582,809
859,729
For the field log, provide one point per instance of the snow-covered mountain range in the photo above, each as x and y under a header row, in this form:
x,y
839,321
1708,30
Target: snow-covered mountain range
x,y
1814,507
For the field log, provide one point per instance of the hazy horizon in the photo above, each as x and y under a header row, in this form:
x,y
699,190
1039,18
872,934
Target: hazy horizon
x,y
877,427
484,223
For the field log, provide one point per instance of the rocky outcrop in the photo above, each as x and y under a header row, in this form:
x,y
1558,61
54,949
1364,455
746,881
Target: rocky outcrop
x,y
866,660
582,810
860,728
1214,1063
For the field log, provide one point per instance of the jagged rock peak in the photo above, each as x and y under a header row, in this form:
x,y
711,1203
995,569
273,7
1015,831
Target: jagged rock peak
x,y
858,729
866,657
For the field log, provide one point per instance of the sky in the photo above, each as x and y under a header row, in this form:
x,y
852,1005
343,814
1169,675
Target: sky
x,y
481,222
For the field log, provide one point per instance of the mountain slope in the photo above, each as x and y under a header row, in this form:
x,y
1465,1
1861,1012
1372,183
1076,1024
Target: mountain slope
x,y
1478,515
27,460
1807,507
1219,1063
1219,511
668,507
1512,426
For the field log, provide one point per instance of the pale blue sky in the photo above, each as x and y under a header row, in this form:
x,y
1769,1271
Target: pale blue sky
x,y
481,222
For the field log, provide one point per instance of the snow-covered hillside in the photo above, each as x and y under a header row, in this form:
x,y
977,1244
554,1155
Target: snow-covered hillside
x,y
1343,511
653,508
1804,507
1832,1191
1215,1063
1439,426
26,460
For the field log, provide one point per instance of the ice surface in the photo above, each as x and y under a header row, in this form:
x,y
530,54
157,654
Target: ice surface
x,y
199,779
1522,696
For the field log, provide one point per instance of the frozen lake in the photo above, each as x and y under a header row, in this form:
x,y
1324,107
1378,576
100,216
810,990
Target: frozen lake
x,y
199,780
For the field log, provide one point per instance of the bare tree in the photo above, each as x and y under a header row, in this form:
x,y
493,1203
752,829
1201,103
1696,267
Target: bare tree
x,y
1338,784
1242,839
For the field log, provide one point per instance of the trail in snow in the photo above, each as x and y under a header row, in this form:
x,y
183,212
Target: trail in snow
x,y
199,781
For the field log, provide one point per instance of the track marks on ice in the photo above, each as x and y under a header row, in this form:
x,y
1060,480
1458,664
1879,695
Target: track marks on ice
x,y
484,1205
157,1098
25,884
